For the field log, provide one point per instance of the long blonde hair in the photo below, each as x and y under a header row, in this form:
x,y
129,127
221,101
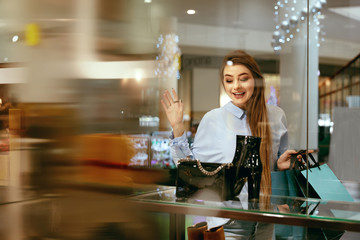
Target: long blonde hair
x,y
257,115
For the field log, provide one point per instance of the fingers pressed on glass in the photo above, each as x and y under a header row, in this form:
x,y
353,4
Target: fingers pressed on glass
x,y
169,97
163,104
175,95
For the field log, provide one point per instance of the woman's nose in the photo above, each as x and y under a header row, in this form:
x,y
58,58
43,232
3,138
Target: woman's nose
x,y
237,84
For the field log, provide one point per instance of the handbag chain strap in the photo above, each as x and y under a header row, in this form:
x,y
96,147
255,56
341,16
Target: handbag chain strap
x,y
212,173
203,170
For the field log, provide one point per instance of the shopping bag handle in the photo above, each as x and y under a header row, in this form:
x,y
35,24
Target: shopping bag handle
x,y
301,164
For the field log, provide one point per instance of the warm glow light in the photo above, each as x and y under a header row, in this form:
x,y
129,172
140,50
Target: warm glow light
x,y
147,1
191,11
117,70
138,76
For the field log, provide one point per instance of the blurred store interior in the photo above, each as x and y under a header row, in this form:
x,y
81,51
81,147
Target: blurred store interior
x,y
81,83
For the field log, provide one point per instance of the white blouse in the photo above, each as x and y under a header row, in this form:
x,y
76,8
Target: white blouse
x,y
215,139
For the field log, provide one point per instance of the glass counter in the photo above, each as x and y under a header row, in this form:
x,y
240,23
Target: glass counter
x,y
312,213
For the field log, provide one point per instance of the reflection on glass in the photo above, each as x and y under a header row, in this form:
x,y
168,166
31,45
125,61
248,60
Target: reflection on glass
x,y
69,69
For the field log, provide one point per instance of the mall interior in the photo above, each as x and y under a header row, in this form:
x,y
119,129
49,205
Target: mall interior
x,y
84,140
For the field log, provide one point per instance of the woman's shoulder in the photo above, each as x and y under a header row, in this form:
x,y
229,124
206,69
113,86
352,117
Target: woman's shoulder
x,y
212,116
274,108
275,112
214,112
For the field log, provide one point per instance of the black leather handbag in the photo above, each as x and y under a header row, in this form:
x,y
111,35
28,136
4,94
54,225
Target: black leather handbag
x,y
206,181
221,182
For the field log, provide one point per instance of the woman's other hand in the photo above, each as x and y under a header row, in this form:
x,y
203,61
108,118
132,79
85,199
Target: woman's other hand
x,y
174,109
283,163
284,160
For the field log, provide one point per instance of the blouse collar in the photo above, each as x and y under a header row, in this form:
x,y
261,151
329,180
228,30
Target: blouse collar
x,y
236,111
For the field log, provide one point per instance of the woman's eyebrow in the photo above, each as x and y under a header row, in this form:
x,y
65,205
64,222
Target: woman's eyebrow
x,y
241,74
228,75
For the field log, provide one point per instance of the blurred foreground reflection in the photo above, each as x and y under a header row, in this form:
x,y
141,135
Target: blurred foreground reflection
x,y
58,183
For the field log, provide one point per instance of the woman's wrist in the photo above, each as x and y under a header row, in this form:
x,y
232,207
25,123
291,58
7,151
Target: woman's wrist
x,y
280,168
178,130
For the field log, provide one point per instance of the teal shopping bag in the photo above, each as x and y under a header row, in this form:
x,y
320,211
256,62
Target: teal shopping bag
x,y
324,184
284,191
283,183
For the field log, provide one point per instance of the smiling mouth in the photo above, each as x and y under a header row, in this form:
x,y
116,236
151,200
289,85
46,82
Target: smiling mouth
x,y
240,94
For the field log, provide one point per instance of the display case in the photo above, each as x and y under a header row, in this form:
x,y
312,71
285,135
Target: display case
x,y
321,217
141,144
160,150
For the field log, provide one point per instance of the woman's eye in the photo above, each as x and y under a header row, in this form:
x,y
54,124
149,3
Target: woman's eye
x,y
228,80
244,79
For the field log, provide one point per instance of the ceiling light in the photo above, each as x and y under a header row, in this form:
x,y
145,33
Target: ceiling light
x,y
229,63
147,1
15,38
191,11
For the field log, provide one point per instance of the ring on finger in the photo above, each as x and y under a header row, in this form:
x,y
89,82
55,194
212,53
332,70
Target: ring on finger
x,y
176,101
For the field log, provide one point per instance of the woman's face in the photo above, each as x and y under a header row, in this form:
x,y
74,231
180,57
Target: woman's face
x,y
238,84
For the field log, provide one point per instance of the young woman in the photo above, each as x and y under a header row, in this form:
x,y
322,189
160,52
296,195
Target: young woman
x,y
246,114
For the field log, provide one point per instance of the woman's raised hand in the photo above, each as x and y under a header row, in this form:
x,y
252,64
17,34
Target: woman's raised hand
x,y
174,109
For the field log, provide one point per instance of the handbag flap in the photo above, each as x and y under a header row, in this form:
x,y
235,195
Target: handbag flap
x,y
193,177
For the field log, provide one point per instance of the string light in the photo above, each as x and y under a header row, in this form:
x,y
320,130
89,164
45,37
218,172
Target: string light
x,y
289,18
168,59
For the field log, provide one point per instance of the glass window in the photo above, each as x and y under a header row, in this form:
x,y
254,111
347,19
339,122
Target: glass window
x,y
90,76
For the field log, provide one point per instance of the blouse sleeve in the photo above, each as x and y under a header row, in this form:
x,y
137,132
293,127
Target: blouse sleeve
x,y
284,140
179,147
279,131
